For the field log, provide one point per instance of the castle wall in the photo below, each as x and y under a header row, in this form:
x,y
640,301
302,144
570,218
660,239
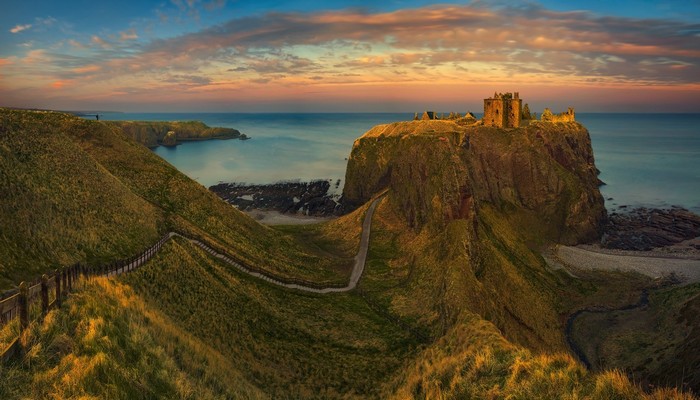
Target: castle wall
x,y
513,113
568,116
494,112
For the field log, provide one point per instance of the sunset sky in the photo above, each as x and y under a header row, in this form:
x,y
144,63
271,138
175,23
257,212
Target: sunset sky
x,y
313,56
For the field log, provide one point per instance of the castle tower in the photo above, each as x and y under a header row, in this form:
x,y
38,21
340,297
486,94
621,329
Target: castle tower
x,y
503,110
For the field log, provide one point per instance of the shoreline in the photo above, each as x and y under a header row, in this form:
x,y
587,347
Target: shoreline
x,y
652,265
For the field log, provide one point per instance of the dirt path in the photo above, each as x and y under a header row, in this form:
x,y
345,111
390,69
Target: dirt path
x,y
357,269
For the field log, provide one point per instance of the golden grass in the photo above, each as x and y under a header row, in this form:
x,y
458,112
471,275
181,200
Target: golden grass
x,y
107,343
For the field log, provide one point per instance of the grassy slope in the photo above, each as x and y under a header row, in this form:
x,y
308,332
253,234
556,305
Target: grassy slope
x,y
79,191
657,343
58,205
292,344
107,342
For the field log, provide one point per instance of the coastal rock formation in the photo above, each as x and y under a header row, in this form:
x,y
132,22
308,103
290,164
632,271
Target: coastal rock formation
x,y
307,198
543,176
645,229
170,139
153,134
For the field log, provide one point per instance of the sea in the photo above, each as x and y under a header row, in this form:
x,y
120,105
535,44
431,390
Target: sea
x,y
646,160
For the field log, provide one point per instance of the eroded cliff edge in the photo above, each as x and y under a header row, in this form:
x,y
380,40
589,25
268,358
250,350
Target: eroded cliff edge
x,y
542,176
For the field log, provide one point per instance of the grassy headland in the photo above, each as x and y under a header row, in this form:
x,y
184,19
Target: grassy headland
x,y
82,191
455,302
153,134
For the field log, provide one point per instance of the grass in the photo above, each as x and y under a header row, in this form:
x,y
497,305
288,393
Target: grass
x,y
107,343
474,361
58,205
657,345
455,301
152,134
81,191
290,344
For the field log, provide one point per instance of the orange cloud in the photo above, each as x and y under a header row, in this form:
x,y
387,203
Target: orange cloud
x,y
87,69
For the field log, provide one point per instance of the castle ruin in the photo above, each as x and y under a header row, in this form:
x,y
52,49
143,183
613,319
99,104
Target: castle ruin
x,y
503,110
568,116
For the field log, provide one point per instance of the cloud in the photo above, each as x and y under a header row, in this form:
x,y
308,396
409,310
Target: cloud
x,y
128,35
20,28
450,45
100,42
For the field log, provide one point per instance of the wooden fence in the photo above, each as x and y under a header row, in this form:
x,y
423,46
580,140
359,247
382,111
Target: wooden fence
x,y
33,300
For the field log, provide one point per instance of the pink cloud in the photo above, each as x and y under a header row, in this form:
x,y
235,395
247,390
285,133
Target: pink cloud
x,y
20,28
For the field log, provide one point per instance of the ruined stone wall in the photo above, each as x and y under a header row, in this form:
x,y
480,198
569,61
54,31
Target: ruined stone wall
x,y
568,116
513,115
494,113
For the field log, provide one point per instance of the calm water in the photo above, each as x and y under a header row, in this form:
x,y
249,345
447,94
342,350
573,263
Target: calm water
x,y
646,160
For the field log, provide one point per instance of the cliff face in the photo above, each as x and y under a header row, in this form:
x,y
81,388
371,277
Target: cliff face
x,y
542,176
468,207
153,134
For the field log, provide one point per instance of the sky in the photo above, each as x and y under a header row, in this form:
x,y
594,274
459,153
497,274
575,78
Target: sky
x,y
349,56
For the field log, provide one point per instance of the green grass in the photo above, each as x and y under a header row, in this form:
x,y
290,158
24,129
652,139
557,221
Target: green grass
x,y
454,303
152,134
81,191
107,343
290,344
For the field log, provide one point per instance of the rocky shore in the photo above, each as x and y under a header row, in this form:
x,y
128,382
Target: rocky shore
x,y
293,198
644,229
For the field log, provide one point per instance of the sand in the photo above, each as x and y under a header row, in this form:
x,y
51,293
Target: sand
x,y
654,264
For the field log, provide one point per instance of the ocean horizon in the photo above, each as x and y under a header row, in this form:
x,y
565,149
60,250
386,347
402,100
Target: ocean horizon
x,y
646,160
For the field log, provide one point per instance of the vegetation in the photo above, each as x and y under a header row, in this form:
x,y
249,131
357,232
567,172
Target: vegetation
x,y
106,342
80,191
152,134
455,302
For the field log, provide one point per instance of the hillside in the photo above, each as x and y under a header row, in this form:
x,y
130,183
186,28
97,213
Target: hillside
x,y
76,190
468,208
454,301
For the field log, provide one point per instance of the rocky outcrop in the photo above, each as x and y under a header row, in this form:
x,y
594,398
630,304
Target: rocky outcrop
x,y
543,175
153,134
170,139
645,229
307,198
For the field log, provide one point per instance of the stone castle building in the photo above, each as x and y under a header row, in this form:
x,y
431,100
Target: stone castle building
x,y
568,116
503,110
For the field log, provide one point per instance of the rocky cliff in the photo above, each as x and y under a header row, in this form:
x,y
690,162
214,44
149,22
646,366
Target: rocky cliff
x,y
542,176
467,210
153,134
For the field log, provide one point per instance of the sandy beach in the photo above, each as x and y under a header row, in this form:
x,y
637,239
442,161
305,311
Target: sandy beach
x,y
653,264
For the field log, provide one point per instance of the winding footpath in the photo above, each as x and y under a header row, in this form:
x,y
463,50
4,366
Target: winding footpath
x,y
357,269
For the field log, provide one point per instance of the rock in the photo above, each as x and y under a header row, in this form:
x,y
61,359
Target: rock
x,y
170,139
542,174
308,198
644,229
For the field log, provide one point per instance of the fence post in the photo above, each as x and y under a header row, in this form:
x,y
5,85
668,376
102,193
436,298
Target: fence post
x,y
44,294
23,307
64,278
58,288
